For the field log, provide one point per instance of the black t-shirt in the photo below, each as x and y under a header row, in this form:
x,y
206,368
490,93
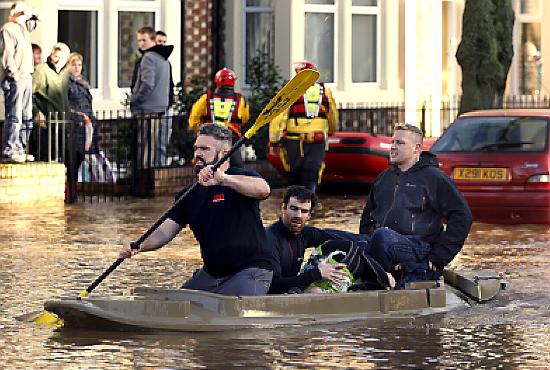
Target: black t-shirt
x,y
227,225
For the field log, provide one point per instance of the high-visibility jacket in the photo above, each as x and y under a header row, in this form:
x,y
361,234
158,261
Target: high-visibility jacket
x,y
232,111
314,112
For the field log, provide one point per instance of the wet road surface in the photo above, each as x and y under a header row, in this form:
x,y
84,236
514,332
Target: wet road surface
x,y
52,252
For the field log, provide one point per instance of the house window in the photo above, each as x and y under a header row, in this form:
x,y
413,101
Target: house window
x,y
5,11
259,30
319,34
364,43
128,53
530,59
78,29
530,6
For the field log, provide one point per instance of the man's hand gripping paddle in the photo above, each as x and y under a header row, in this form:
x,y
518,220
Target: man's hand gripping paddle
x,y
284,99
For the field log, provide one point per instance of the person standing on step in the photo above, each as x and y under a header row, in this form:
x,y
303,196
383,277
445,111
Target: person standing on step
x,y
17,68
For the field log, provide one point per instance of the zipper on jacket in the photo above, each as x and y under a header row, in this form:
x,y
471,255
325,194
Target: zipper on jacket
x,y
392,204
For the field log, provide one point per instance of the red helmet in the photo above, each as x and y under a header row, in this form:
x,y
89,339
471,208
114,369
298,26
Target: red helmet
x,y
225,77
304,64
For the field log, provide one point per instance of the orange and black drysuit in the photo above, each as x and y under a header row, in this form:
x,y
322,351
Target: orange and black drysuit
x,y
302,130
224,107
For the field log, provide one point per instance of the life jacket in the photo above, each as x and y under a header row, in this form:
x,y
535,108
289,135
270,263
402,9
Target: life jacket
x,y
314,103
224,111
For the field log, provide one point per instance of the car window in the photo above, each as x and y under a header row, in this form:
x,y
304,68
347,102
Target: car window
x,y
494,134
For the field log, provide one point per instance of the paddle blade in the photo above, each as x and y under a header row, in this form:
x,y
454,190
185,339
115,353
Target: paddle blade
x,y
49,318
284,99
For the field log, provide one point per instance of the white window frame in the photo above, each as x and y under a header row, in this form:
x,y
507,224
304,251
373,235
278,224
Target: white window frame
x,y
95,6
365,10
152,6
334,9
515,68
246,10
539,7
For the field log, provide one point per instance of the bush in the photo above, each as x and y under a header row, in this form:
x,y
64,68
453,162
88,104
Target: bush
x,y
265,81
183,138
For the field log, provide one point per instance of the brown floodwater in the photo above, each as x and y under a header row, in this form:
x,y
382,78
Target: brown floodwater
x,y
57,251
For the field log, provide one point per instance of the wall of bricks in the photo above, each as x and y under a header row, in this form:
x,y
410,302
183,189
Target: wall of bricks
x,y
198,38
168,181
32,183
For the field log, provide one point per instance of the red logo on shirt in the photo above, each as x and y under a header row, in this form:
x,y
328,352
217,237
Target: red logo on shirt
x,y
218,198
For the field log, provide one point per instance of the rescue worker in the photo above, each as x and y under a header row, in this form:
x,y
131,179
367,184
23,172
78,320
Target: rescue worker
x,y
302,132
223,106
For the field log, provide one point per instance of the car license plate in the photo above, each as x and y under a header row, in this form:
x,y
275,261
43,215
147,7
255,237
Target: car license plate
x,y
481,173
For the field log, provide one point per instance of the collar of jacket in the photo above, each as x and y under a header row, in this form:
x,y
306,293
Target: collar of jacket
x,y
162,50
284,230
52,66
427,159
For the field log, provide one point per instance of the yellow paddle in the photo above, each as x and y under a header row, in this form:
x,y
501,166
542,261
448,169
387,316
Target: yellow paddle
x,y
284,99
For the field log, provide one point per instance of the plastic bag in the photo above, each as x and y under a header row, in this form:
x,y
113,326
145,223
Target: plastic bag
x,y
96,168
325,286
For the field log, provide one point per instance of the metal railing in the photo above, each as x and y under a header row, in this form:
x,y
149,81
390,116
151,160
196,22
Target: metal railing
x,y
127,149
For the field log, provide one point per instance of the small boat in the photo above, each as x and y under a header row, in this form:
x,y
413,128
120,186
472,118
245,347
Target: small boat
x,y
352,157
149,309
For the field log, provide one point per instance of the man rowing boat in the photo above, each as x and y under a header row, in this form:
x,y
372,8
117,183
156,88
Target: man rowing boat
x,y
224,214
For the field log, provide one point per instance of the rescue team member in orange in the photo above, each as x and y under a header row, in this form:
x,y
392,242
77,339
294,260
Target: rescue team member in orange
x,y
406,205
223,212
222,106
303,130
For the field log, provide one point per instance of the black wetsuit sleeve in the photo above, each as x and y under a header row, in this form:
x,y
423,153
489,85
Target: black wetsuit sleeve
x,y
314,237
367,224
280,285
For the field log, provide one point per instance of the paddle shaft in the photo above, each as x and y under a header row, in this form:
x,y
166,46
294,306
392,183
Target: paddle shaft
x,y
137,243
278,104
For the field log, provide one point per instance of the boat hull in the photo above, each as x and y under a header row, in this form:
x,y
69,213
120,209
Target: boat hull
x,y
352,157
195,311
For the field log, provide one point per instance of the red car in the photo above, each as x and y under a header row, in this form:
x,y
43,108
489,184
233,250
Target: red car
x,y
500,161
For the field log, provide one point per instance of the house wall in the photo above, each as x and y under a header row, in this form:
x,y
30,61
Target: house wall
x,y
167,16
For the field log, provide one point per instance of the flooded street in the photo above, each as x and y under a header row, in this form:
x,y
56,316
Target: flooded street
x,y
53,252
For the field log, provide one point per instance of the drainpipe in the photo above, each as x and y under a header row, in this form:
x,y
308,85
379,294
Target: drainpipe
x,y
217,33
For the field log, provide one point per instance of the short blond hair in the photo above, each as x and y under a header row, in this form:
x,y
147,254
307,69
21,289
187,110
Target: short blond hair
x,y
75,56
411,128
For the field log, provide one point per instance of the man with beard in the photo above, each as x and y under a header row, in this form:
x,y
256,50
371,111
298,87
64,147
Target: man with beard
x,y
224,214
290,237
407,204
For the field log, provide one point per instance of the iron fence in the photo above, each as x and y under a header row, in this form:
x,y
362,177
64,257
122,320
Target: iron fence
x,y
126,149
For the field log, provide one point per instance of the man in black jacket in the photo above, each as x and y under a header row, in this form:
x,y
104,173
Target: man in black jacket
x,y
290,237
407,204
224,214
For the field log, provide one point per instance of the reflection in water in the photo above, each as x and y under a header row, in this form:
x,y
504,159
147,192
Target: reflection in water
x,y
57,251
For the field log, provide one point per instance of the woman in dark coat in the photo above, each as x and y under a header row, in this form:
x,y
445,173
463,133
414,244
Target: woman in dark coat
x,y
83,122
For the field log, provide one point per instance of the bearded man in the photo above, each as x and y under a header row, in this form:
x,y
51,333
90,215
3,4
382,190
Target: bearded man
x,y
289,238
224,214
